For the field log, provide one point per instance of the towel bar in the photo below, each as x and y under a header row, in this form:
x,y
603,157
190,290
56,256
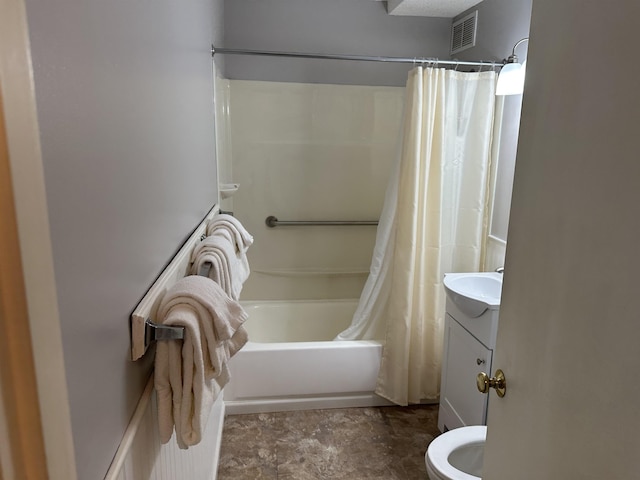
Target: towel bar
x,y
205,268
154,332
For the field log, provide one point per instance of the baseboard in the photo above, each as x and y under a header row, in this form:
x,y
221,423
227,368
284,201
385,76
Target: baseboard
x,y
284,404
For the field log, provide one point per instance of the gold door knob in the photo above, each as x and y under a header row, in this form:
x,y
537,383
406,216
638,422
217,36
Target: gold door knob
x,y
484,383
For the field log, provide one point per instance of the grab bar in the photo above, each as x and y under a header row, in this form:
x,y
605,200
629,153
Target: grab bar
x,y
272,222
283,272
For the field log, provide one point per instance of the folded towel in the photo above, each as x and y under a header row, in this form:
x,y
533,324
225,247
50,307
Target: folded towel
x,y
219,271
225,233
243,239
189,375
230,268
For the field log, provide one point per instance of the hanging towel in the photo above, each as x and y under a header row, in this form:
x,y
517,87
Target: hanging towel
x,y
189,375
243,239
230,268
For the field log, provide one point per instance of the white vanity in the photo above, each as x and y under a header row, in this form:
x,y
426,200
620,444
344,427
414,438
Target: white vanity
x,y
471,326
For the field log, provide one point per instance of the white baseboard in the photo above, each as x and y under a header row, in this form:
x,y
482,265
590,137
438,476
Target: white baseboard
x,y
284,404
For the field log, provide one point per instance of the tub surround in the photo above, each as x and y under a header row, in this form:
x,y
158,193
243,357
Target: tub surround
x,y
308,152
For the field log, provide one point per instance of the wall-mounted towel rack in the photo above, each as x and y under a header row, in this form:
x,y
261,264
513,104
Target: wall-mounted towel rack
x,y
143,330
272,222
154,332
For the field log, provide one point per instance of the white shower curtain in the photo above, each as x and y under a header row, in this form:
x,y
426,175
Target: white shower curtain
x,y
433,222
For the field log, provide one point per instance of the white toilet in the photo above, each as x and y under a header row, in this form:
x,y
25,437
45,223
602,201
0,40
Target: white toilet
x,y
457,454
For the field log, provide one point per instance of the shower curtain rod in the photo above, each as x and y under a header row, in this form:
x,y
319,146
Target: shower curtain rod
x,y
362,58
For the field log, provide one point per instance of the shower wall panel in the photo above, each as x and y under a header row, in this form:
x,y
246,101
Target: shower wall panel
x,y
311,152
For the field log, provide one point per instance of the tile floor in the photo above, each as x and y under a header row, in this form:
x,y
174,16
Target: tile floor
x,y
352,443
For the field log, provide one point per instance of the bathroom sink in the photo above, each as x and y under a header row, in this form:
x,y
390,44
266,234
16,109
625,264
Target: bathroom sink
x,y
474,293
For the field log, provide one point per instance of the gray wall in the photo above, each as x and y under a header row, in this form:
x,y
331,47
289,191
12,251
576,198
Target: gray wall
x,y
360,27
501,23
124,94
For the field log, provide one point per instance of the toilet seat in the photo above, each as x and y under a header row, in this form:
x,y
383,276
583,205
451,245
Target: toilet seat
x,y
437,455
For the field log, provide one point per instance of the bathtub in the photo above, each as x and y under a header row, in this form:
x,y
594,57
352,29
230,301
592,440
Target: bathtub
x,y
292,363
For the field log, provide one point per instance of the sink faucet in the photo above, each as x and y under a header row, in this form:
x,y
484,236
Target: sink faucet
x,y
500,269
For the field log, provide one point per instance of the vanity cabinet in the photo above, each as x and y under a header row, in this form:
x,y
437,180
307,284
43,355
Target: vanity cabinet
x,y
471,328
464,357
468,350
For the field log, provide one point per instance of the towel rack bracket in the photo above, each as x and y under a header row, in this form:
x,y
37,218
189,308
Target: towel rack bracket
x,y
155,332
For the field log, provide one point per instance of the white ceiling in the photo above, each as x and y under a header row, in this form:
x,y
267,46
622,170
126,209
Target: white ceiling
x,y
429,8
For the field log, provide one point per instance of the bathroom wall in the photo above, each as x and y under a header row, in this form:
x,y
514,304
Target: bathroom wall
x,y
501,24
359,27
125,106
311,152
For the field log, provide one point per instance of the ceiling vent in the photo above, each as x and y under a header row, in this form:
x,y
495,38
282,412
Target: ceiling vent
x,y
463,33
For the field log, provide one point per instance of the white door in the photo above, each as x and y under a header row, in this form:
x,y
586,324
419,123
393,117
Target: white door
x,y
569,335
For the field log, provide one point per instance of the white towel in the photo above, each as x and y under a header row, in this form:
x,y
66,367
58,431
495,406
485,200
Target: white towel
x,y
243,239
230,268
189,375
219,271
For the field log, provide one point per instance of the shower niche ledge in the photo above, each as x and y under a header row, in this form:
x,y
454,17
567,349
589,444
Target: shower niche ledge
x,y
228,190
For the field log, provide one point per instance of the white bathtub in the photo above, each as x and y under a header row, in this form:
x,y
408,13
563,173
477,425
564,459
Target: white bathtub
x,y
291,361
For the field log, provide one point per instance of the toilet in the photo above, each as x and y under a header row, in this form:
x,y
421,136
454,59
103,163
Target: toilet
x,y
457,454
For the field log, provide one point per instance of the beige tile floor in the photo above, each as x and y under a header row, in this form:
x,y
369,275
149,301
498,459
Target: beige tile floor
x,y
352,443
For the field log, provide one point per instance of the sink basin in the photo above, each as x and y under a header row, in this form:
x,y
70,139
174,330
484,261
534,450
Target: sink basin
x,y
474,293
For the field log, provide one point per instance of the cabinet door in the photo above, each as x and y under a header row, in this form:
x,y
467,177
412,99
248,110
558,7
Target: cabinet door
x,y
460,401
